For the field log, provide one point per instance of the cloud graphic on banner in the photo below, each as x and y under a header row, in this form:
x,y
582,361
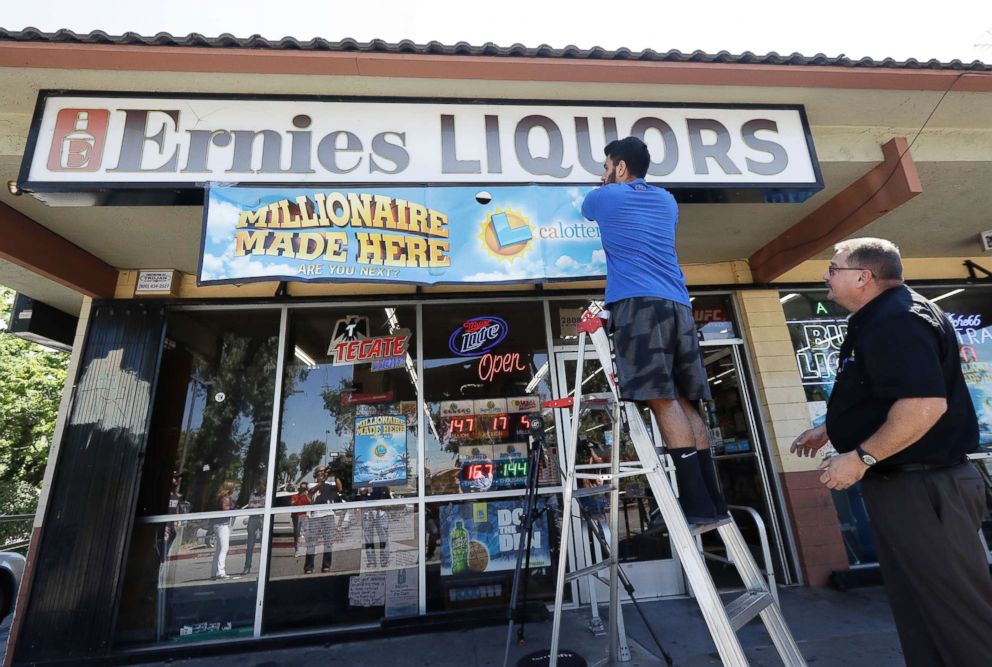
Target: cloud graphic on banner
x,y
222,220
576,197
525,269
221,267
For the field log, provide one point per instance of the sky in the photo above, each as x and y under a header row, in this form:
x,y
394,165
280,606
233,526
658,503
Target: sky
x,y
959,29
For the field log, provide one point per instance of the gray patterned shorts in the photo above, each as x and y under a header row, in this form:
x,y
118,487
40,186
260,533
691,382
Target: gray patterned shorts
x,y
657,350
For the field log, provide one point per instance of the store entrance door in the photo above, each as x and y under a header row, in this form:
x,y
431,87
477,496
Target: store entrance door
x,y
645,548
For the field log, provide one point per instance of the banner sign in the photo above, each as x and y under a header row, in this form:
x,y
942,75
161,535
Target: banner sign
x,y
484,537
380,450
115,140
401,235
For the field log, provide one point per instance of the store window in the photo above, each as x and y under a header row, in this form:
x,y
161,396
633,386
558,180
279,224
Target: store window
x,y
818,327
348,434
208,449
486,374
349,402
485,371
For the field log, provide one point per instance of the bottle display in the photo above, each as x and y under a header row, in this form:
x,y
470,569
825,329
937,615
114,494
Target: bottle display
x,y
459,548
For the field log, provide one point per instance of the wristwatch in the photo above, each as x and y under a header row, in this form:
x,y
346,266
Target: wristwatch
x,y
865,457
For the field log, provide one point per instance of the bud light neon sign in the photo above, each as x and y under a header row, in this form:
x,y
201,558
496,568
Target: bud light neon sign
x,y
477,336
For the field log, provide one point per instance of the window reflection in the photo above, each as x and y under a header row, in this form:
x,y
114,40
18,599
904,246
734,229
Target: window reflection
x,y
213,411
349,412
171,592
340,565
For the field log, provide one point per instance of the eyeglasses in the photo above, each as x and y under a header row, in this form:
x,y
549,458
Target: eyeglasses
x,y
832,270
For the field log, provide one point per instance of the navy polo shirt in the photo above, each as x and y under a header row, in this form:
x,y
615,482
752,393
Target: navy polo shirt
x,y
900,345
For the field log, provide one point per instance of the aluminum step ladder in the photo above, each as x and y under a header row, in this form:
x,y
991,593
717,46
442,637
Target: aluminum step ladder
x,y
722,622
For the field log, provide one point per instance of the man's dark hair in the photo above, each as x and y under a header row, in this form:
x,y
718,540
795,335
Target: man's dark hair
x,y
633,151
879,256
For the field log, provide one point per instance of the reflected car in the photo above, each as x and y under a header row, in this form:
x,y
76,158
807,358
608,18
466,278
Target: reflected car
x,y
11,571
239,530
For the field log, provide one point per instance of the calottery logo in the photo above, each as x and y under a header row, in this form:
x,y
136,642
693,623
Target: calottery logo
x,y
387,232
78,140
477,336
506,234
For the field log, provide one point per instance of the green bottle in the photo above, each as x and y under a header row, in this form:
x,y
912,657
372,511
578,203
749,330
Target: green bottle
x,y
459,548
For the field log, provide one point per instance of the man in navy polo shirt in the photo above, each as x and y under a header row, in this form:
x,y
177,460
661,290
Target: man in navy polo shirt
x,y
654,335
902,418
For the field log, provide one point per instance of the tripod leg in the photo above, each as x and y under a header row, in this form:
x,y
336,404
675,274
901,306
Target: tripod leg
x,y
522,569
530,512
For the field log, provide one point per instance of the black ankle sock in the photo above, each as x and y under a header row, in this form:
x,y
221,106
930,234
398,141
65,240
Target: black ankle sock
x,y
693,496
708,469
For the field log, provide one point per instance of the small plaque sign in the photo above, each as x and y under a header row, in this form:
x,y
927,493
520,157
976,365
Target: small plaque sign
x,y
163,282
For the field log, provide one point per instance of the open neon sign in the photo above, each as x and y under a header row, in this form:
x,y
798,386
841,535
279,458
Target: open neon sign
x,y
492,365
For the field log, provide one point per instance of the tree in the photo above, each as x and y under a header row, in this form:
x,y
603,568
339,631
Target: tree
x,y
31,382
311,455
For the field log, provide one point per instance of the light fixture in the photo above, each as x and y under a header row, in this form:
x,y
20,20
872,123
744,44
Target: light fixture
x,y
944,296
722,374
13,189
788,297
304,357
541,372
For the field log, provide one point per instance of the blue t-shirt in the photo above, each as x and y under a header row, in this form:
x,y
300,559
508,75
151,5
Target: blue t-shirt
x,y
637,223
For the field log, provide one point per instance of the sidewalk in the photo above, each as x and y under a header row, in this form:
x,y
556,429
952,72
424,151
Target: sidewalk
x,y
833,630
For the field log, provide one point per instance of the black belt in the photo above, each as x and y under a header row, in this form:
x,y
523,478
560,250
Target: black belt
x,y
914,467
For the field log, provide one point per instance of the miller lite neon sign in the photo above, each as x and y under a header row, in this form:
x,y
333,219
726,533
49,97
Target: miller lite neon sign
x,y
477,336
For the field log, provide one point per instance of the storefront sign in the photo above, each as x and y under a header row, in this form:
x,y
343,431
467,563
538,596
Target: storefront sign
x,y
99,142
457,408
523,404
157,283
399,235
819,355
352,398
493,365
707,315
380,450
477,336
352,345
484,537
489,406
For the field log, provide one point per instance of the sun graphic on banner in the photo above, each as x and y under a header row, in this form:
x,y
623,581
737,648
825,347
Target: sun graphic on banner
x,y
506,234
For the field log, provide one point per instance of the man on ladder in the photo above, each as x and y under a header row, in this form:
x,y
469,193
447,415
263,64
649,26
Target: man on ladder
x,y
654,335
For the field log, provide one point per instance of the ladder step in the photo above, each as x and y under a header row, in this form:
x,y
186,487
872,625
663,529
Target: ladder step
x,y
748,606
587,491
601,400
586,571
701,528
606,476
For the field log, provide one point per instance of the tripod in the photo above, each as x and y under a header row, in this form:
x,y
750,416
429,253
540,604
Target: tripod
x,y
516,612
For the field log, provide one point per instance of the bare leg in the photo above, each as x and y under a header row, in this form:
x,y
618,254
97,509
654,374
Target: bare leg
x,y
699,434
673,422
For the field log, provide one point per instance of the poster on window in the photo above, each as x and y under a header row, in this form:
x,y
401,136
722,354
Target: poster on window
x,y
380,450
485,536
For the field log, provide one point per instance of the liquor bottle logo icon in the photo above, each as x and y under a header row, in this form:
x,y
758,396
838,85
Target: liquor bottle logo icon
x,y
78,140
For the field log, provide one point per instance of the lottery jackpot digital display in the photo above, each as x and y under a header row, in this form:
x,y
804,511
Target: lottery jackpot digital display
x,y
486,427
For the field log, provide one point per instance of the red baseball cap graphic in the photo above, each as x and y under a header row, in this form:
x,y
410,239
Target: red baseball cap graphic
x,y
78,140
